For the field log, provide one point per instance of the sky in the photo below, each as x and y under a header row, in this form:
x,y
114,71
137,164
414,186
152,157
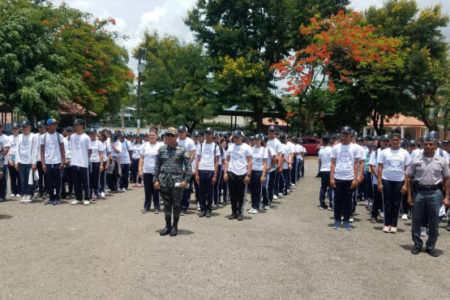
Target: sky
x,y
166,17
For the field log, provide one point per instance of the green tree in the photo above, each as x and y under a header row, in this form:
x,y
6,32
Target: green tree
x,y
245,38
176,83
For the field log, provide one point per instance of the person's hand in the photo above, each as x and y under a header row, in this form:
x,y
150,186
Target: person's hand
x,y
263,178
360,180
197,178
214,180
61,166
333,183
156,185
247,179
225,177
446,202
17,167
107,167
354,184
1,175
290,166
380,188
102,168
403,190
410,201
141,174
183,185
44,168
280,169
10,162
33,167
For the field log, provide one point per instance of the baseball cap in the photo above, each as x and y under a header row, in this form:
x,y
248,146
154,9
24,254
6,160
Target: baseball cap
x,y
209,129
272,128
181,128
430,137
26,123
346,129
172,131
15,126
384,137
259,136
50,121
78,122
196,133
238,133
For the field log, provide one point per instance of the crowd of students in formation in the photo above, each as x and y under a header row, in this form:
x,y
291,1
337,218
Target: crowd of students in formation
x,y
373,170
80,165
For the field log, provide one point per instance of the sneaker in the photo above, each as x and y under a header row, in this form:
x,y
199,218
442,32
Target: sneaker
x,y
280,195
134,185
373,220
347,225
393,230
156,211
255,211
144,211
423,231
416,250
386,229
17,195
208,213
202,214
23,199
48,202
267,207
183,212
75,202
337,224
124,190
351,220
432,252
56,202
321,207
275,197
240,217
95,197
86,202
139,185
198,207
330,208
404,217
102,195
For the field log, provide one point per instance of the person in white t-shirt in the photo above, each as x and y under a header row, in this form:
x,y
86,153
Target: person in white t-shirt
x,y
392,164
96,163
189,145
67,192
25,162
324,173
136,154
148,153
41,181
206,171
238,170
259,168
274,173
5,143
344,170
377,204
12,154
79,163
52,158
125,161
102,181
222,156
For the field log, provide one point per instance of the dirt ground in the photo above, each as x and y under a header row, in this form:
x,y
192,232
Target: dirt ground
x,y
110,250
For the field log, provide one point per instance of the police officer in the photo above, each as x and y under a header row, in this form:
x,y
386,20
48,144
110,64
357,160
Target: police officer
x,y
171,174
430,173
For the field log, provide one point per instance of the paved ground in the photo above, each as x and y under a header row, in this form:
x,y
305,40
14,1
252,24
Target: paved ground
x,y
111,251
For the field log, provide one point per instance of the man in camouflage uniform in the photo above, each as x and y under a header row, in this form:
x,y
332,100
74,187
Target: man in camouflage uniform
x,y
171,175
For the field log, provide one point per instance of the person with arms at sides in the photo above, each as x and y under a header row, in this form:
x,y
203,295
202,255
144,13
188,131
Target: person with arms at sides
x,y
125,161
136,149
114,171
431,174
42,130
259,167
216,196
102,180
12,154
172,172
270,168
96,163
274,174
5,141
344,177
237,173
392,164
189,145
148,154
79,164
25,162
324,173
206,171
377,204
223,187
53,157
66,174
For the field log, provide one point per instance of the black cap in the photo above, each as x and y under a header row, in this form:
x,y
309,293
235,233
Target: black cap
x,y
78,122
376,137
259,136
272,128
346,129
430,137
435,134
182,128
114,137
91,131
354,133
384,137
238,133
209,129
367,138
360,140
40,124
15,126
195,133
412,143
26,123
69,129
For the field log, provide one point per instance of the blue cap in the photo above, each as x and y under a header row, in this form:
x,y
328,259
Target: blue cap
x,y
51,121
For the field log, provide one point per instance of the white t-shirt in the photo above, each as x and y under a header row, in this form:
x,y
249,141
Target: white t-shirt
x,y
79,145
94,146
52,153
189,145
38,146
118,145
373,161
300,149
288,150
345,156
238,155
136,151
270,154
25,153
148,153
275,144
394,163
125,153
6,142
258,156
208,153
67,148
13,140
325,159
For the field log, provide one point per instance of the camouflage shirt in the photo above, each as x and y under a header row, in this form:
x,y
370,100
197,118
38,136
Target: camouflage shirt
x,y
172,166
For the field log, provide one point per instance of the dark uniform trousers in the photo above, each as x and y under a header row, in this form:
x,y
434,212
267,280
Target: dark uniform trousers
x,y
236,187
324,188
377,202
343,200
3,182
426,203
255,188
271,185
15,181
80,178
94,177
172,201
206,189
53,181
150,192
42,178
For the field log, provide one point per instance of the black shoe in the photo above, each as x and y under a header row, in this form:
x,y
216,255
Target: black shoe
x,y
208,214
432,252
232,216
448,227
240,217
373,220
416,250
174,230
168,228
202,214
183,212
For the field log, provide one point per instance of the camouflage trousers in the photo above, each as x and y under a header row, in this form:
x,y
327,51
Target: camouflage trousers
x,y
172,200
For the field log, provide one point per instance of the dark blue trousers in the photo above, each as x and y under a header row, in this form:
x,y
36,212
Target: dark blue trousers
x,y
255,188
392,198
324,188
53,181
14,178
206,189
150,192
94,178
343,200
80,178
23,175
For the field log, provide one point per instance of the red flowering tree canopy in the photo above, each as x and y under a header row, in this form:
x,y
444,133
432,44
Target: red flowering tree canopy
x,y
342,49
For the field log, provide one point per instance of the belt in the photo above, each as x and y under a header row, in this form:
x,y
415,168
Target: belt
x,y
428,187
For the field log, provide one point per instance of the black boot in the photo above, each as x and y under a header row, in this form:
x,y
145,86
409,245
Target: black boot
x,y
168,228
174,230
